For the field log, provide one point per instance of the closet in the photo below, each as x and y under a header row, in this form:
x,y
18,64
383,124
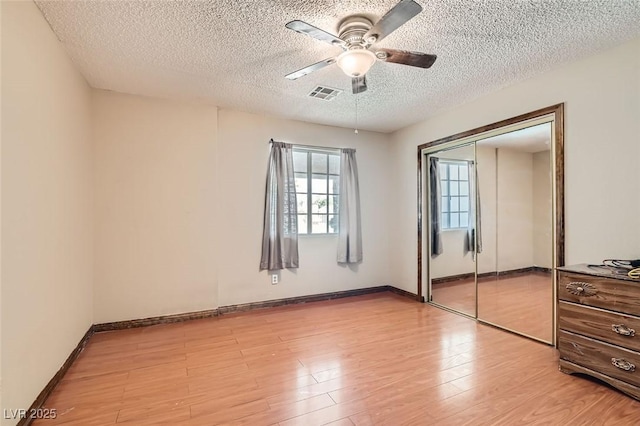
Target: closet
x,y
491,223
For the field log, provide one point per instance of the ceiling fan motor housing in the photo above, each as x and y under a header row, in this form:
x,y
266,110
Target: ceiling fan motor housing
x,y
352,31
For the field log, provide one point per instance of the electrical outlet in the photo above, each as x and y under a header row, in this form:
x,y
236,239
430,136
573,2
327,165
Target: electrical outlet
x,y
274,279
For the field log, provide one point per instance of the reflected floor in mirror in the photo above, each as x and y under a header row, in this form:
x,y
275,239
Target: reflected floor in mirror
x,y
376,359
459,295
520,302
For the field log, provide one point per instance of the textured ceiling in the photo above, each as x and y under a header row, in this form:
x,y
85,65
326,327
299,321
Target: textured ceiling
x,y
235,53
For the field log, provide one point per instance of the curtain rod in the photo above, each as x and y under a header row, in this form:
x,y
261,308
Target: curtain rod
x,y
326,148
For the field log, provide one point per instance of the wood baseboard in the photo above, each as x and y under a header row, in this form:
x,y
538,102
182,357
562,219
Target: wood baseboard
x,y
168,319
404,293
452,278
493,274
519,271
57,378
145,322
300,299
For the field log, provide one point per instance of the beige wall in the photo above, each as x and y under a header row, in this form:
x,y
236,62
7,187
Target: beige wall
x,y
522,211
242,168
515,209
487,178
542,215
602,106
47,251
454,259
1,406
179,201
155,207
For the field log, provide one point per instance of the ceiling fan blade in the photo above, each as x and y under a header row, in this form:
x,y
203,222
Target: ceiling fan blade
x,y
311,68
393,19
414,59
359,84
314,32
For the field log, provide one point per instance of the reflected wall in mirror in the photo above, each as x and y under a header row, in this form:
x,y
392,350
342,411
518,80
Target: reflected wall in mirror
x,y
515,284
451,261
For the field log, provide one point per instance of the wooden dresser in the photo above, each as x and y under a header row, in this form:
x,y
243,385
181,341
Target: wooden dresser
x,y
599,326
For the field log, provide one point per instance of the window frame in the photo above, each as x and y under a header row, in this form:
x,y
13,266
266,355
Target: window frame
x,y
309,151
448,163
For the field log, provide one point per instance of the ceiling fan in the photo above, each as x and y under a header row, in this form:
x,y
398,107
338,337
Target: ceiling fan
x,y
357,36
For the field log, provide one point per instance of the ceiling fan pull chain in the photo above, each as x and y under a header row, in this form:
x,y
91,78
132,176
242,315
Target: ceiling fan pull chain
x,y
356,130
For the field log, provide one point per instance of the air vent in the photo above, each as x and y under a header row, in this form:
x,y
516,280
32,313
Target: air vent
x,y
324,93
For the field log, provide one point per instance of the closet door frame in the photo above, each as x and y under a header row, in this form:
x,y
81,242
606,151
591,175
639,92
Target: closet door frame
x,y
553,114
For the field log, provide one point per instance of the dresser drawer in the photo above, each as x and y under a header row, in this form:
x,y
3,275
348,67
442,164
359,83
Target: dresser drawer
x,y
607,293
600,357
612,327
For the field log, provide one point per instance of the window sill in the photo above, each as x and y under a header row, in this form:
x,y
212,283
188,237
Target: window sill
x,y
454,229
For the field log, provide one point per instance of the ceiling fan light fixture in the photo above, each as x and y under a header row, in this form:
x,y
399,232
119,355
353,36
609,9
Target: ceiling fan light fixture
x,y
356,62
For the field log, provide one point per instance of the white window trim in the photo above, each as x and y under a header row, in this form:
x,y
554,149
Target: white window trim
x,y
309,151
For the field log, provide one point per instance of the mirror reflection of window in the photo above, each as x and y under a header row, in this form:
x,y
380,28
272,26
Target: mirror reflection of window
x,y
454,181
451,267
491,229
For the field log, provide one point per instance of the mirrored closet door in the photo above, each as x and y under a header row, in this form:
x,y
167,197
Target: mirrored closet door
x,y
491,224
515,284
452,270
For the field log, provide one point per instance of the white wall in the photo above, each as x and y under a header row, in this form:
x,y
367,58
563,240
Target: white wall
x,y
602,111
155,207
47,252
242,167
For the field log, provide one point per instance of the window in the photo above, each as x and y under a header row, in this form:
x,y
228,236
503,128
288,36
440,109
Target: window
x,y
317,175
454,183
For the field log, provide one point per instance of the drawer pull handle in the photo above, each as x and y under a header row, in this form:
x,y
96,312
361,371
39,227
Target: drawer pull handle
x,y
623,364
623,330
581,289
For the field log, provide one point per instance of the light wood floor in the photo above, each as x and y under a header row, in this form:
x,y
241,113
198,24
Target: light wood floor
x,y
375,359
522,302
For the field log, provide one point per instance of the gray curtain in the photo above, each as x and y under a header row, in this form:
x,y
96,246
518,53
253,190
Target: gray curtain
x,y
435,200
474,232
280,233
350,231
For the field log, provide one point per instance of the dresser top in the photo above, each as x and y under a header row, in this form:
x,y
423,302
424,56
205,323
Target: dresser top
x,y
584,268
